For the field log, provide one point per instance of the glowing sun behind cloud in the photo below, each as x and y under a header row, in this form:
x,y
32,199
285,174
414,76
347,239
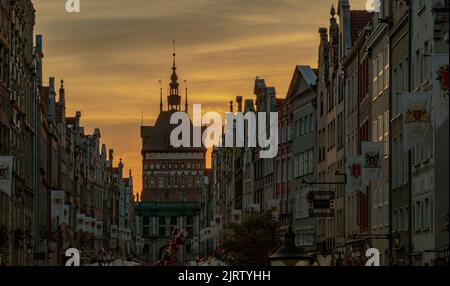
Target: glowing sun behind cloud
x,y
112,55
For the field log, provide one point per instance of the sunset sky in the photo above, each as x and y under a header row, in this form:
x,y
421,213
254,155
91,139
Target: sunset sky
x,y
112,54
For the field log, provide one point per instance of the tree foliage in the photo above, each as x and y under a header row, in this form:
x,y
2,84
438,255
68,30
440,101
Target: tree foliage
x,y
253,241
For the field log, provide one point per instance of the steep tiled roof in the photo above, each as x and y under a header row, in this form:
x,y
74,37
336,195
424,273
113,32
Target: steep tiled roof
x,y
358,19
280,101
157,137
301,73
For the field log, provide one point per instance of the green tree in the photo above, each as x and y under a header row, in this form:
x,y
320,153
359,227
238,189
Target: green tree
x,y
253,241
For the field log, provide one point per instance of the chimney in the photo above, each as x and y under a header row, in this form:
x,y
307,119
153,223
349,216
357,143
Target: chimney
x,y
239,102
97,132
231,106
62,94
52,94
111,157
120,168
40,57
104,152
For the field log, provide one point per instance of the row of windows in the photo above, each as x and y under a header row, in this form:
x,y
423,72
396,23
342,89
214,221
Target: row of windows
x,y
162,182
284,170
421,66
304,164
399,162
4,64
340,131
381,72
284,134
400,219
423,215
165,225
304,125
175,166
331,130
162,221
380,205
380,130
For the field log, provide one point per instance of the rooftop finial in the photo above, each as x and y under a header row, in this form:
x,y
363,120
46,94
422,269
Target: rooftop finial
x,y
186,96
174,98
174,53
332,11
160,96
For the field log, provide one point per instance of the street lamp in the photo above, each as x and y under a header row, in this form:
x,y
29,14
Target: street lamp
x,y
324,257
50,254
290,254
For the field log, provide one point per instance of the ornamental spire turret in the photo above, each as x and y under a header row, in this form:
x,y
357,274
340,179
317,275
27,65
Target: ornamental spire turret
x,y
174,98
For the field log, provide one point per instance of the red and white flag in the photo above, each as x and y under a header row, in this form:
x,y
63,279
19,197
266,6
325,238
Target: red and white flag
x,y
373,159
354,167
440,79
236,216
417,127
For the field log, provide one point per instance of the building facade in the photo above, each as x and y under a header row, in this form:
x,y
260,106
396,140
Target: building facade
x,y
172,183
302,94
428,54
379,129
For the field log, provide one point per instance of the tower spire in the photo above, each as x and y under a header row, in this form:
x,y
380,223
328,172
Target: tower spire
x,y
186,96
174,100
160,96
174,55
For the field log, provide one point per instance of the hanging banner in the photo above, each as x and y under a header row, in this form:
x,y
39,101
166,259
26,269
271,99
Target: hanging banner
x,y
80,222
99,228
121,234
6,165
66,215
87,224
202,235
209,233
373,156
416,108
195,243
218,221
236,216
354,165
113,231
274,206
440,78
57,208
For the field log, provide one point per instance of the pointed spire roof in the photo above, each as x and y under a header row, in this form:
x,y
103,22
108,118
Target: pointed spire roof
x,y
174,77
174,99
